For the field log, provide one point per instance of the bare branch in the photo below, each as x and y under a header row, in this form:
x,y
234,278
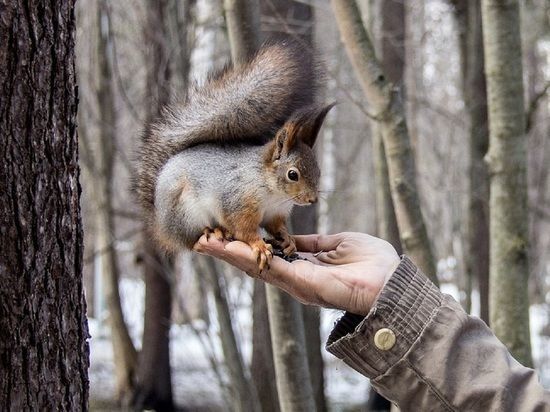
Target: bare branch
x,y
533,106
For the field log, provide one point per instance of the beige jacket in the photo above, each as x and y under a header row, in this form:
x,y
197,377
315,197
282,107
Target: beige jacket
x,y
424,353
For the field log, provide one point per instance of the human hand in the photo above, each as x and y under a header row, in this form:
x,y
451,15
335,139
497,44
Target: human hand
x,y
343,271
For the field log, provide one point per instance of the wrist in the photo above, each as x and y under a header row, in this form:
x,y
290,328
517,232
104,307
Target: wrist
x,y
404,306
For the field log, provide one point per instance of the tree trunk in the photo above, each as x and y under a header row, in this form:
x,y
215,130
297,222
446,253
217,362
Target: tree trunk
x,y
295,19
291,363
414,40
44,354
312,328
184,27
243,28
392,50
507,158
304,222
262,368
468,16
125,355
288,340
243,394
391,46
388,108
154,385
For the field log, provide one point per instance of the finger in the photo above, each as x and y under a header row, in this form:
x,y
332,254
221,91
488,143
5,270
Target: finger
x,y
316,243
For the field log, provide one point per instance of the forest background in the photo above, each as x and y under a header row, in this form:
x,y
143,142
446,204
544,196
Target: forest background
x,y
133,56
420,150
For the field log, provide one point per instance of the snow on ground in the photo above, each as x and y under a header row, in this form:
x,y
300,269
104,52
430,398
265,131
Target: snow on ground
x,y
195,384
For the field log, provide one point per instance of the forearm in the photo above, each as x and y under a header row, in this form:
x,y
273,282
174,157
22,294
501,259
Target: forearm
x,y
441,359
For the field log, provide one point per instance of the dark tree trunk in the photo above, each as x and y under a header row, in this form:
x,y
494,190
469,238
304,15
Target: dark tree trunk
x,y
125,355
154,387
474,91
475,97
44,353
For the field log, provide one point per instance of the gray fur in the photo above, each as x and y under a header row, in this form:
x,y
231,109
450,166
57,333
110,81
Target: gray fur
x,y
248,103
213,140
229,175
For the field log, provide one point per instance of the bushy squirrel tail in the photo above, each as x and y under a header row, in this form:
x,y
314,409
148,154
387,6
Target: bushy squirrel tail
x,y
243,104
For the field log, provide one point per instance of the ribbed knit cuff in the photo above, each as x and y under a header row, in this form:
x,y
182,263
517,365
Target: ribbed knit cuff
x,y
405,305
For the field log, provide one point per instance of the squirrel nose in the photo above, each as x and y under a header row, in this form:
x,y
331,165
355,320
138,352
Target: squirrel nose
x,y
313,199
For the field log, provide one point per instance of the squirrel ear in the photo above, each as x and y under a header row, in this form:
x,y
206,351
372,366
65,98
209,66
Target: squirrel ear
x,y
303,125
308,122
285,140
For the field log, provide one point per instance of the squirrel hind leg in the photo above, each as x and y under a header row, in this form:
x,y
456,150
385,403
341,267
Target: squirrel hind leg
x,y
219,232
263,253
244,225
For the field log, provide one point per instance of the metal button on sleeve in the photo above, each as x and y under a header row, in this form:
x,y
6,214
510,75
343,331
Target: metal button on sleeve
x,y
384,339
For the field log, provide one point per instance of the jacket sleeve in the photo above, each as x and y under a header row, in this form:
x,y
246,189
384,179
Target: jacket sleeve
x,y
423,352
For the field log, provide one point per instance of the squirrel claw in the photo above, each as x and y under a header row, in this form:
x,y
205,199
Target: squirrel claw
x,y
207,231
263,253
289,250
285,243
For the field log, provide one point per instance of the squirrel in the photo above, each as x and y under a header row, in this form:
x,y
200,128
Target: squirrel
x,y
235,155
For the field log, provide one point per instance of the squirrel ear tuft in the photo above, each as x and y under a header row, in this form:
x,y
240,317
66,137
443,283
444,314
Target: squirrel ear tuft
x,y
307,123
303,125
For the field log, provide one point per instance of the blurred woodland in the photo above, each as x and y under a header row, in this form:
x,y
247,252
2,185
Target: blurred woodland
x,y
407,154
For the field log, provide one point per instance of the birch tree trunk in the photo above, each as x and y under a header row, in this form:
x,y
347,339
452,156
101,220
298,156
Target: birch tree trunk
x,y
291,364
388,110
243,394
392,50
44,353
262,367
125,355
507,159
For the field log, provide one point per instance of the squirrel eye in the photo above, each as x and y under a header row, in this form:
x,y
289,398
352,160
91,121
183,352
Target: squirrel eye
x,y
293,175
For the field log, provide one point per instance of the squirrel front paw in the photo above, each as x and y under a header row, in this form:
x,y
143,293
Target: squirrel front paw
x,y
263,252
285,242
